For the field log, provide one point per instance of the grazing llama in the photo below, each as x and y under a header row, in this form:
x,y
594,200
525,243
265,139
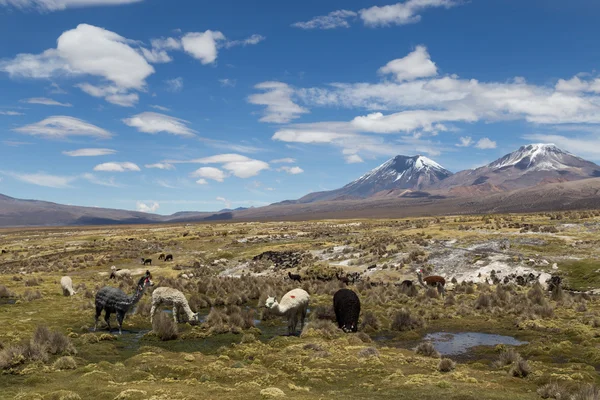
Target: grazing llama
x,y
171,298
294,305
113,300
294,277
346,305
67,286
146,261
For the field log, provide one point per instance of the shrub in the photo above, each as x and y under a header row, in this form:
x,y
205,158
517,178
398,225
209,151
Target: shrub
x,y
520,369
66,362
164,327
446,365
326,329
507,357
426,349
363,337
553,391
483,301
31,295
450,300
54,342
587,392
544,310
432,293
536,294
368,352
5,292
404,321
370,322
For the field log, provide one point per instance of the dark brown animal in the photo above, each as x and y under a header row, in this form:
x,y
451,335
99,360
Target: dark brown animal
x,y
294,277
146,261
431,280
161,257
343,279
169,257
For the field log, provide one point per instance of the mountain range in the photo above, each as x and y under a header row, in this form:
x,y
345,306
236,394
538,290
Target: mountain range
x,y
536,177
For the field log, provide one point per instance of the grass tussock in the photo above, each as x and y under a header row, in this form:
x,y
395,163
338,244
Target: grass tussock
x,y
368,352
404,321
426,349
164,327
5,292
553,390
446,365
370,322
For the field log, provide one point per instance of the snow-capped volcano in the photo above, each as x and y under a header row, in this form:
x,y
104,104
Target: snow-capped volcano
x,y
530,165
400,172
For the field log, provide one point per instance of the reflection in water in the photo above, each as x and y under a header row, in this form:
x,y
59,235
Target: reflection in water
x,y
458,343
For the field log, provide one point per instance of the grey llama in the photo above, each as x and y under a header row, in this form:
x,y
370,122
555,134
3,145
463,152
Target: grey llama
x,y
114,300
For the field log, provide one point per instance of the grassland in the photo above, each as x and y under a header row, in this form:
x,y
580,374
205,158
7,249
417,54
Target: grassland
x,y
48,349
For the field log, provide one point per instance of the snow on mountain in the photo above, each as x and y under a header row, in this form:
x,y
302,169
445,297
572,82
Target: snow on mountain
x,y
538,156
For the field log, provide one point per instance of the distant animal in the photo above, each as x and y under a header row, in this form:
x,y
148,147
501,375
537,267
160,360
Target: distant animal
x,y
169,257
146,261
294,277
343,279
67,286
554,282
294,305
113,300
346,305
431,280
407,283
372,266
161,257
172,298
4,251
119,273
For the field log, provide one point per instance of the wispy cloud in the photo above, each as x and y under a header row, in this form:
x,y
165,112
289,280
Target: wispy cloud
x,y
46,101
58,5
174,85
165,166
227,82
236,164
485,143
11,113
117,167
89,152
291,170
252,40
151,122
42,179
147,208
335,19
161,108
277,97
465,141
110,182
62,127
287,160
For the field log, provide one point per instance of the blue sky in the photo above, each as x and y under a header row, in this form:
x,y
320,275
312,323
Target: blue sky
x,y
167,106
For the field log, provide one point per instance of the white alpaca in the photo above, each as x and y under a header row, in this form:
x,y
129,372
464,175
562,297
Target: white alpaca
x,y
293,305
172,298
67,286
119,273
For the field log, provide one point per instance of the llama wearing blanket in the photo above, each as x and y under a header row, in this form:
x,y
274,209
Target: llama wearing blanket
x,y
346,305
113,300
172,298
293,305
67,286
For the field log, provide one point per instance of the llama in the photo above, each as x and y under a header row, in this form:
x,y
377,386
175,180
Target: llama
x,y
169,257
431,280
161,257
172,298
119,273
113,300
67,286
294,277
346,305
293,305
146,261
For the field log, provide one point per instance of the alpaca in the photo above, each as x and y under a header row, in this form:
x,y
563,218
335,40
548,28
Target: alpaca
x,y
172,298
119,273
161,257
113,300
431,280
169,257
293,305
346,305
294,277
146,261
67,286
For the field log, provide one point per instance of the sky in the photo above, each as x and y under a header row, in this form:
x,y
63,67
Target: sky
x,y
179,105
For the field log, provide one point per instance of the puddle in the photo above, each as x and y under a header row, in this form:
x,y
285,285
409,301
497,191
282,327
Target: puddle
x,y
6,300
452,344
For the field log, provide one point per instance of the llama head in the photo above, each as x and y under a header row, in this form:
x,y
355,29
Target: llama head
x,y
271,302
113,268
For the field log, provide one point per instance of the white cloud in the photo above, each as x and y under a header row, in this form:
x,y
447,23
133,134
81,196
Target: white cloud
x,y
236,164
241,148
89,152
202,45
353,159
112,94
227,82
465,141
156,56
210,173
88,50
164,166
62,127
416,65
174,85
166,44
117,167
401,13
151,122
335,19
252,40
45,101
43,179
147,208
57,5
224,200
277,97
11,113
202,182
110,182
485,143
161,108
283,161
291,170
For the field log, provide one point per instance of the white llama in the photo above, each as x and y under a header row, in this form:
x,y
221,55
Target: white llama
x,y
67,286
293,305
172,298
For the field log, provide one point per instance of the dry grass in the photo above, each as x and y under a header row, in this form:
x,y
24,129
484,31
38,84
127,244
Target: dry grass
x,y
404,321
446,365
426,349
